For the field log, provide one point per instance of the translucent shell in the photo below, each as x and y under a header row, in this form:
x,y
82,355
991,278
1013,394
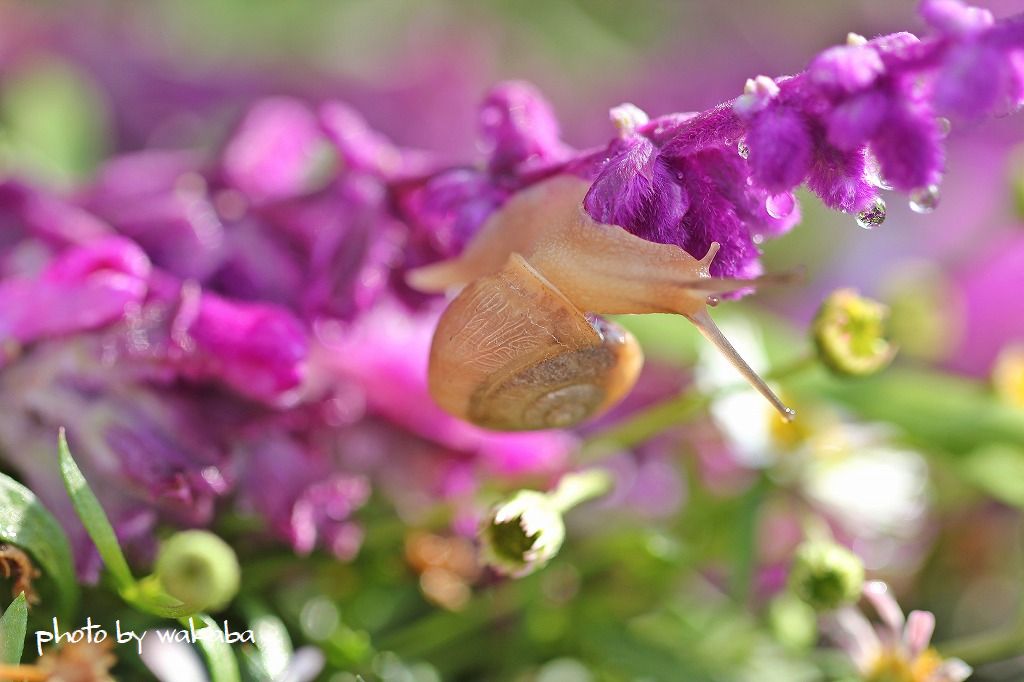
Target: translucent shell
x,y
512,353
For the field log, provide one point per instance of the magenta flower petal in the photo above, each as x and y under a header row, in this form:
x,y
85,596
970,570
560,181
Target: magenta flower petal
x,y
159,200
360,146
853,122
639,191
973,80
87,287
259,351
518,125
386,353
276,151
709,178
450,207
907,147
846,68
838,178
954,17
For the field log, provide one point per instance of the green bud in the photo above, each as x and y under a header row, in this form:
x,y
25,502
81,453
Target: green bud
x,y
198,568
925,316
523,533
826,575
849,332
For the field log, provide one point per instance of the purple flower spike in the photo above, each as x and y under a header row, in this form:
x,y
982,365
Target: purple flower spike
x,y
780,148
637,189
517,126
259,351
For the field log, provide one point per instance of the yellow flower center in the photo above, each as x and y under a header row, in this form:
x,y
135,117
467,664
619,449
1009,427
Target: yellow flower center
x,y
892,666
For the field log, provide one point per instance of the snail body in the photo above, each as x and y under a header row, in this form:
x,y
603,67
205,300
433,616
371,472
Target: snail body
x,y
521,346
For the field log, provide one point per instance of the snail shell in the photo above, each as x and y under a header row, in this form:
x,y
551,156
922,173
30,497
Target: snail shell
x,y
511,352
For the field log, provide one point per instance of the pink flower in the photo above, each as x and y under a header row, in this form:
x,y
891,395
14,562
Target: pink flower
x,y
897,650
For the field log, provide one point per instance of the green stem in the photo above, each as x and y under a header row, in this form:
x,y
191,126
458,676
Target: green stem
x,y
745,552
988,647
578,487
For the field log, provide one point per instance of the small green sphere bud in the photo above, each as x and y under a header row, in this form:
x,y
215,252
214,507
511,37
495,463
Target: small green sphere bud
x,y
826,575
522,534
198,568
849,332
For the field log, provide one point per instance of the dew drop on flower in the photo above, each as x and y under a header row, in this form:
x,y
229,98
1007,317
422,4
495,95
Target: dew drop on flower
x,y
873,215
924,199
780,205
945,126
742,149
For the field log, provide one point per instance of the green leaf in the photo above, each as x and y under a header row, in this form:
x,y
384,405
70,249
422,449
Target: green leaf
x,y
220,660
93,517
941,412
26,523
56,120
999,471
272,640
12,631
149,596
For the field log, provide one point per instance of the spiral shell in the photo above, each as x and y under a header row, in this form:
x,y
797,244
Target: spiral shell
x,y
513,353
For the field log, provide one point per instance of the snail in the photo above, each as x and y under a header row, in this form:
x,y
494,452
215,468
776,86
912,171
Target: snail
x,y
522,346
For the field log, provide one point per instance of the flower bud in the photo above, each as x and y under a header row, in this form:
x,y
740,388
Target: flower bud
x,y
849,332
522,534
826,575
198,568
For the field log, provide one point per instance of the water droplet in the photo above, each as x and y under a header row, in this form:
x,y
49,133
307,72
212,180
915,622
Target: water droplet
x,y
873,172
780,205
872,216
924,199
742,149
945,126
